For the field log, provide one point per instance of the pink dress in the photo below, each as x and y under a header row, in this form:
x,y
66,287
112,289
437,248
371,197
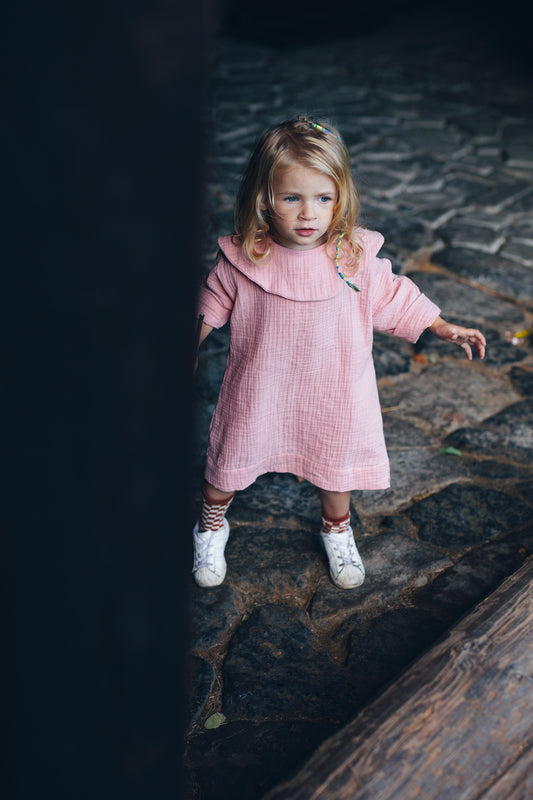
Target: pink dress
x,y
299,393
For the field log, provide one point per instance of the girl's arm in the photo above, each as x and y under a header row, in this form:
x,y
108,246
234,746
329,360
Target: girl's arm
x,y
464,337
205,330
202,332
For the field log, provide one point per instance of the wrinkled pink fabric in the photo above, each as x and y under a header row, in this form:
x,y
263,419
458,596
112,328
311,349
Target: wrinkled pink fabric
x,y
299,393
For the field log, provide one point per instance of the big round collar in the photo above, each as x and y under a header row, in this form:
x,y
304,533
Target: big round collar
x,y
298,274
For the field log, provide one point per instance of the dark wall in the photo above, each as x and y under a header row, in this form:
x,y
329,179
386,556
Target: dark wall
x,y
103,152
284,25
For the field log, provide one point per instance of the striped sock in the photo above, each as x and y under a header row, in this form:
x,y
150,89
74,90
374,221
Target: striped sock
x,y
332,525
213,512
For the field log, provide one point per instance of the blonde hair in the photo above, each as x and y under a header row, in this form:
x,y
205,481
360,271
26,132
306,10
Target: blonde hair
x,y
319,148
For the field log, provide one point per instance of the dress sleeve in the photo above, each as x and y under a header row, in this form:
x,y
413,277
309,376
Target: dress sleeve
x,y
398,305
216,296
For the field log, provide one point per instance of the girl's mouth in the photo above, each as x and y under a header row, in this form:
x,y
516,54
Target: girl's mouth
x,y
305,231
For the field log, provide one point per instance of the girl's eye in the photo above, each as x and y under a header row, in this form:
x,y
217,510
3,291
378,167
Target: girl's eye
x,y
291,199
325,198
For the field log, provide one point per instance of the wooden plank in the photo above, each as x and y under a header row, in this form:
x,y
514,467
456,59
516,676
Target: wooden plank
x,y
516,783
458,725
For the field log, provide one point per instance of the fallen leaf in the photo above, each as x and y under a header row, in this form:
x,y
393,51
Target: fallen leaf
x,y
214,721
450,451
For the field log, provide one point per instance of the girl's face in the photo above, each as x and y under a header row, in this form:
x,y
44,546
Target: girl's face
x,y
304,202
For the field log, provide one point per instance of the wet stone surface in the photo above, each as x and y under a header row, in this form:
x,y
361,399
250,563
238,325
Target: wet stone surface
x,y
499,471
469,304
522,380
201,680
260,677
415,472
391,356
403,631
474,576
446,395
392,563
508,434
440,130
283,495
466,515
275,563
507,277
260,753
214,613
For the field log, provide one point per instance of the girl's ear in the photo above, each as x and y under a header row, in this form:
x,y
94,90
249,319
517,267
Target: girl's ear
x,y
263,205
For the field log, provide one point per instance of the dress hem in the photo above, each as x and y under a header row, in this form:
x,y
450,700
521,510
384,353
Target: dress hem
x,y
363,479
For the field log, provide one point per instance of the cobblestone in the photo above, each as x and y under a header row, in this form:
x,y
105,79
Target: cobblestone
x,y
440,129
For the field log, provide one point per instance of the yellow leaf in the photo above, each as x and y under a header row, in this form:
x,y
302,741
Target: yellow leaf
x,y
214,721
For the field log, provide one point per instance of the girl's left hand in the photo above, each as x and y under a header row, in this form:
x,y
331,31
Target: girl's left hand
x,y
467,338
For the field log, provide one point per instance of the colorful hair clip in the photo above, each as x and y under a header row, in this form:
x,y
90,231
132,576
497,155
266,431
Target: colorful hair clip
x,y
321,128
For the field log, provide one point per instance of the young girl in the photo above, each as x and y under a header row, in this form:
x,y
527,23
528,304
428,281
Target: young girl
x,y
303,287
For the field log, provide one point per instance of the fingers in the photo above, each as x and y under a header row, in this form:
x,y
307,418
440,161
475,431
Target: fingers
x,y
477,340
468,338
480,347
468,350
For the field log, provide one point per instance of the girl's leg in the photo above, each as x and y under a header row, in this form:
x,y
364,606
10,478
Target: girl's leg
x,y
217,495
345,565
214,507
334,504
210,535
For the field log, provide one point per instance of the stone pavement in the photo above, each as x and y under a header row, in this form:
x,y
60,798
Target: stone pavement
x,y
440,128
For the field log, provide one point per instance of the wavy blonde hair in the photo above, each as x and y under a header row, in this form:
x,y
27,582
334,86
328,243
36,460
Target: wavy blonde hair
x,y
297,141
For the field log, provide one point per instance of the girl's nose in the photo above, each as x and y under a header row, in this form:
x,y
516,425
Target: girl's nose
x,y
307,211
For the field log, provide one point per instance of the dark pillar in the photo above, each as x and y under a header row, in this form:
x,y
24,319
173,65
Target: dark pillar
x,y
103,149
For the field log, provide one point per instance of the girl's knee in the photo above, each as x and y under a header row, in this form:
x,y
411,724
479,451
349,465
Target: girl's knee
x,y
214,494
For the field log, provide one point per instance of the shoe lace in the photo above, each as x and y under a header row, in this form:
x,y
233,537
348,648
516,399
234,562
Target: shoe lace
x,y
345,551
203,551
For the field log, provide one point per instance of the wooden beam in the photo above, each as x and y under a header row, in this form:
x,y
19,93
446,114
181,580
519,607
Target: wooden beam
x,y
457,725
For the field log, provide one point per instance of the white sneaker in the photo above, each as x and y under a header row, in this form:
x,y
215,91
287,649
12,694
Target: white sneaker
x,y
209,567
345,565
